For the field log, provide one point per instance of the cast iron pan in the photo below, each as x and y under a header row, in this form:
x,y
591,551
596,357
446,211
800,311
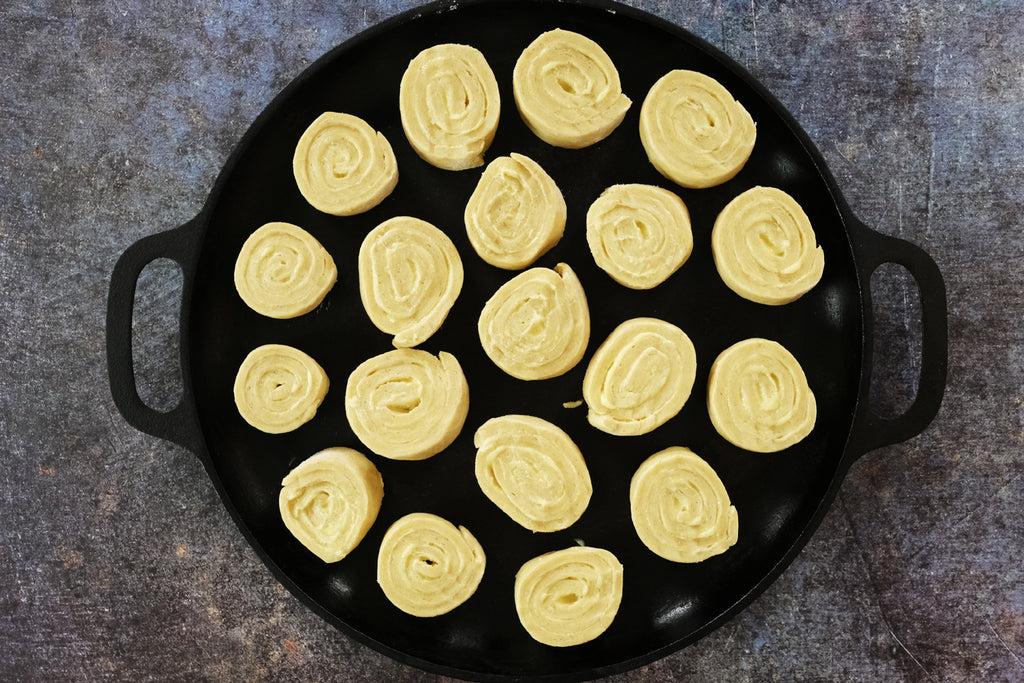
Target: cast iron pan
x,y
780,497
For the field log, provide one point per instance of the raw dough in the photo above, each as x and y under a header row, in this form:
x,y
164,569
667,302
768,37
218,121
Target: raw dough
x,y
278,388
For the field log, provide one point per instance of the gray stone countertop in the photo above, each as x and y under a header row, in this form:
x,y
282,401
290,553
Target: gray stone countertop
x,y
118,560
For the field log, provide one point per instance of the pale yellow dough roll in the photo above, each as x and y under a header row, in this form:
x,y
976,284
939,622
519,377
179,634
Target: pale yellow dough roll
x,y
515,214
450,106
533,471
695,133
758,397
331,500
567,90
765,248
537,325
427,566
407,404
680,507
640,377
278,388
283,272
343,166
409,277
568,597
639,234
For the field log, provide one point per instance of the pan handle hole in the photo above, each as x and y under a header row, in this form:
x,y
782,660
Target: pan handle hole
x,y
155,334
896,371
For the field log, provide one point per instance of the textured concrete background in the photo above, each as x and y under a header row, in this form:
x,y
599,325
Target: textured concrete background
x,y
117,559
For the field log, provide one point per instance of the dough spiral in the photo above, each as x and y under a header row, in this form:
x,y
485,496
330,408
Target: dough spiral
x,y
758,397
693,130
330,501
537,325
533,471
765,249
639,234
407,404
278,388
640,377
515,214
342,166
449,105
568,597
427,566
409,277
680,507
567,90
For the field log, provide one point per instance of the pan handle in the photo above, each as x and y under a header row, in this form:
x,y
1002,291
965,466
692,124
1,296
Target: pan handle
x,y
179,424
872,249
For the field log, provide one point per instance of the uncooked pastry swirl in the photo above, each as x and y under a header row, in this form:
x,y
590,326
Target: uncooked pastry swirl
x,y
331,500
567,90
764,247
695,133
568,597
449,105
537,324
407,404
278,388
533,471
409,276
640,377
515,214
758,397
680,507
283,272
343,166
639,234
426,566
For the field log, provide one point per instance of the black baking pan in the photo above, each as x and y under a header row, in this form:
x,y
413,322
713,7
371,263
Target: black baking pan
x,y
780,497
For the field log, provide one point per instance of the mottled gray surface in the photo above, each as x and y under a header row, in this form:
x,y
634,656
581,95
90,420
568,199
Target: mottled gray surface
x,y
117,559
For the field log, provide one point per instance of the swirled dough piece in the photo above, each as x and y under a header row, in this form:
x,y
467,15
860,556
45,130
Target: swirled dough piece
x,y
568,597
343,166
765,249
409,276
283,272
537,325
427,566
567,90
278,388
449,104
680,507
330,501
693,130
533,471
407,404
639,234
515,214
758,397
640,377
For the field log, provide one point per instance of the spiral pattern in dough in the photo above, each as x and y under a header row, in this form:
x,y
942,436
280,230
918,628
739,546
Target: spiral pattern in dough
x,y
758,397
639,234
343,166
568,597
515,214
409,277
537,325
330,501
765,249
449,105
533,471
407,404
427,566
567,90
278,388
695,133
680,507
640,377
